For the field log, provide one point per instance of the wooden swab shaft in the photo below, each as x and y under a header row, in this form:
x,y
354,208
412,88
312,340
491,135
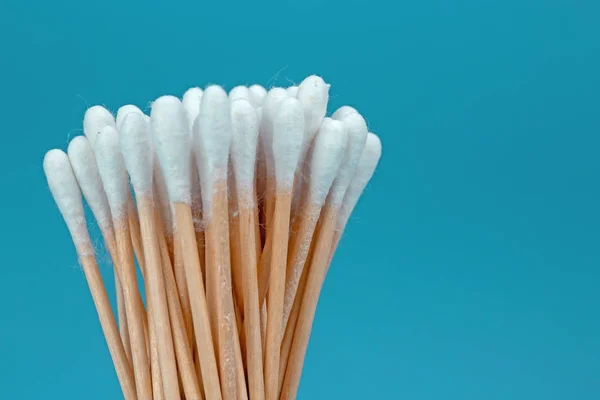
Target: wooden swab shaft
x,y
109,327
204,340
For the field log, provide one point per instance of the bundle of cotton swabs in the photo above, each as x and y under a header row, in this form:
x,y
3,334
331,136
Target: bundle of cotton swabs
x,y
239,201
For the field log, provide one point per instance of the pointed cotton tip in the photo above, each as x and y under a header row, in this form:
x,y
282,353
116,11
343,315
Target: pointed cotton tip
x,y
191,102
244,141
124,111
313,93
288,133
292,91
96,118
112,171
170,130
212,138
83,162
327,154
137,152
64,189
257,95
357,136
239,92
364,172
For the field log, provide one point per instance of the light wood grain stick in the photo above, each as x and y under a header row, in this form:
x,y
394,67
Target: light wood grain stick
x,y
243,157
288,130
114,177
182,290
181,341
172,139
66,193
312,291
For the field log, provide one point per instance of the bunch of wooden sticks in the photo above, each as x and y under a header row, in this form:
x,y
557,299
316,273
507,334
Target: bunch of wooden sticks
x,y
239,201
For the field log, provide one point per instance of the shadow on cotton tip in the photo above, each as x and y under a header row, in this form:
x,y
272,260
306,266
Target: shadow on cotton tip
x,y
364,171
326,157
137,152
112,171
64,189
96,118
83,162
288,134
171,133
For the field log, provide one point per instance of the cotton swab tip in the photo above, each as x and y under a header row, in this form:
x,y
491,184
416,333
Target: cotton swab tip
x,y
170,130
137,152
64,189
112,171
313,93
191,102
327,154
357,136
83,162
288,134
123,112
239,92
244,141
96,118
257,95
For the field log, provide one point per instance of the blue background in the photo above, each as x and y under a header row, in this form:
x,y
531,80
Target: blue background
x,y
470,269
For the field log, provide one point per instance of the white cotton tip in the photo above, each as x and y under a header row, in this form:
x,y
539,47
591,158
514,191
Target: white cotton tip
x,y
239,92
259,114
96,118
313,93
112,171
343,112
364,171
244,141
212,138
357,136
124,111
257,95
137,152
269,108
288,134
292,91
326,157
83,162
191,102
64,188
172,140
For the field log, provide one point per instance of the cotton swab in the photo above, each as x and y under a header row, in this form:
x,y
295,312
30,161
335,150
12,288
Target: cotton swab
x,y
244,143
292,91
257,95
212,135
170,130
65,191
137,154
83,162
288,132
114,178
326,157
357,136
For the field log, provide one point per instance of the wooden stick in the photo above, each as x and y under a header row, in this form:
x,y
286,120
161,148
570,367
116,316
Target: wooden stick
x,y
181,341
219,289
157,297
182,290
198,302
254,352
109,326
280,234
315,278
134,308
